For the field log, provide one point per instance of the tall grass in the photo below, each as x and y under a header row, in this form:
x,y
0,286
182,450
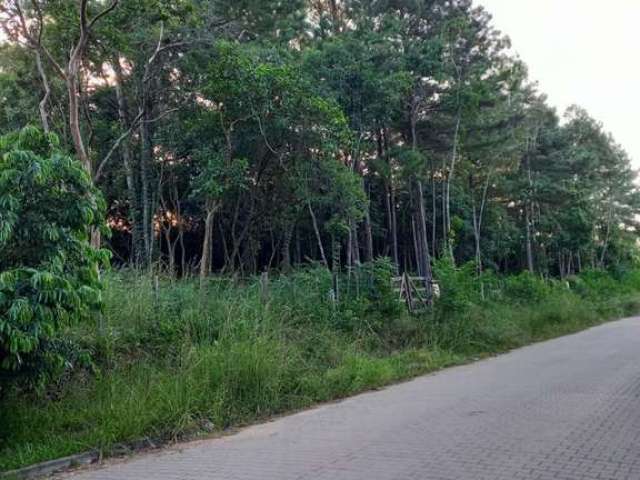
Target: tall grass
x,y
172,361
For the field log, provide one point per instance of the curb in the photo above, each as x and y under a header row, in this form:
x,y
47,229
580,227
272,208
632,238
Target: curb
x,y
52,466
64,464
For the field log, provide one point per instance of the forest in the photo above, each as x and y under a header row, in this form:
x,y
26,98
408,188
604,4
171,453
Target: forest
x,y
193,145
235,136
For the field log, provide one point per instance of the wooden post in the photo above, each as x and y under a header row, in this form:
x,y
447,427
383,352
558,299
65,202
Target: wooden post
x,y
409,292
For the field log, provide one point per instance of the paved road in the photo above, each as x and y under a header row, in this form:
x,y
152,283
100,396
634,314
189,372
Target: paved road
x,y
567,409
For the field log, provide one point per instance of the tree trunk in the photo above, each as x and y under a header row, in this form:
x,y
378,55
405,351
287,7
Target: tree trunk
x,y
450,174
298,250
238,240
393,230
42,106
74,127
476,236
205,260
225,247
350,248
125,151
570,270
423,257
335,254
146,154
423,241
443,207
530,264
529,212
416,244
74,120
605,245
478,217
171,251
183,252
285,249
434,210
579,262
356,244
368,231
318,237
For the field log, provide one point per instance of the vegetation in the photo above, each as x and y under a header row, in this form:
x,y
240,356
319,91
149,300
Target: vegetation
x,y
169,362
239,136
312,139
48,271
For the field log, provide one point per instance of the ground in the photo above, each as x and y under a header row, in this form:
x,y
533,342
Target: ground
x,y
566,409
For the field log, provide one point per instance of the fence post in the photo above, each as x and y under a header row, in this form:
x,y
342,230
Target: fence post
x,y
409,292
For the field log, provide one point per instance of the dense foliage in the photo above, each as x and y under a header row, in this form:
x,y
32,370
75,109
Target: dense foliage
x,y
48,270
241,136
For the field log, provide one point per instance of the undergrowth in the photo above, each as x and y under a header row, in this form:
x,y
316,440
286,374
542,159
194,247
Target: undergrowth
x,y
172,361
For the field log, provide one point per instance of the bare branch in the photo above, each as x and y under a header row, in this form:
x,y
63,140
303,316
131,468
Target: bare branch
x,y
159,45
83,17
162,115
115,146
56,66
42,106
25,30
106,11
38,11
264,136
121,138
32,42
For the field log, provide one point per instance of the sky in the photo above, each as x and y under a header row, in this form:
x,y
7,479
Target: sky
x,y
584,52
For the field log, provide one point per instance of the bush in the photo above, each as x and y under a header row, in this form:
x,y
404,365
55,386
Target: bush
x,y
368,298
526,287
459,286
49,272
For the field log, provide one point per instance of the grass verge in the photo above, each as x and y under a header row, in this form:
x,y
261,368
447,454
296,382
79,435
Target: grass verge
x,y
171,362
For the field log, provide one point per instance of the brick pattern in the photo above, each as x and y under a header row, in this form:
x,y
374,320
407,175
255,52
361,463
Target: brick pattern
x,y
568,409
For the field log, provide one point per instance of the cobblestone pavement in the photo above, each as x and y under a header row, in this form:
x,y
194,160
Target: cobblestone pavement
x,y
566,409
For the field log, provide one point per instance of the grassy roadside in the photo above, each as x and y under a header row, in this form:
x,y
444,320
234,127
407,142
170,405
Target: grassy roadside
x,y
172,362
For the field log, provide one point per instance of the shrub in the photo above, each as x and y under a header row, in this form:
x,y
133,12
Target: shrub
x,y
601,284
48,271
526,287
459,286
382,295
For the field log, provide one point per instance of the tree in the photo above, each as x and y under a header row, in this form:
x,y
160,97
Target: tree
x,y
31,30
219,174
49,272
251,134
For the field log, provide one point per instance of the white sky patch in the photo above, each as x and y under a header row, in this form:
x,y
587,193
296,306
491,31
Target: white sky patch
x,y
584,52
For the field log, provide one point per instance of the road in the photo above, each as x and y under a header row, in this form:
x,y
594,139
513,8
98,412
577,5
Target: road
x,y
567,409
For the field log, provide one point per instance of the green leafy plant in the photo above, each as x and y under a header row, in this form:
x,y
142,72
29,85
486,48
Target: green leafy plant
x,y
527,287
48,270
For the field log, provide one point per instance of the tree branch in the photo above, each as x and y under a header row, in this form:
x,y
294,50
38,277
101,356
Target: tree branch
x,y
115,146
106,11
121,138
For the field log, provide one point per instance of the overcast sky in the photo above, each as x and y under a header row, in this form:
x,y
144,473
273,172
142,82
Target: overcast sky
x,y
581,51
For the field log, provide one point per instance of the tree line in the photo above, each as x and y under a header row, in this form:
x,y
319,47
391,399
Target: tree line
x,y
243,135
